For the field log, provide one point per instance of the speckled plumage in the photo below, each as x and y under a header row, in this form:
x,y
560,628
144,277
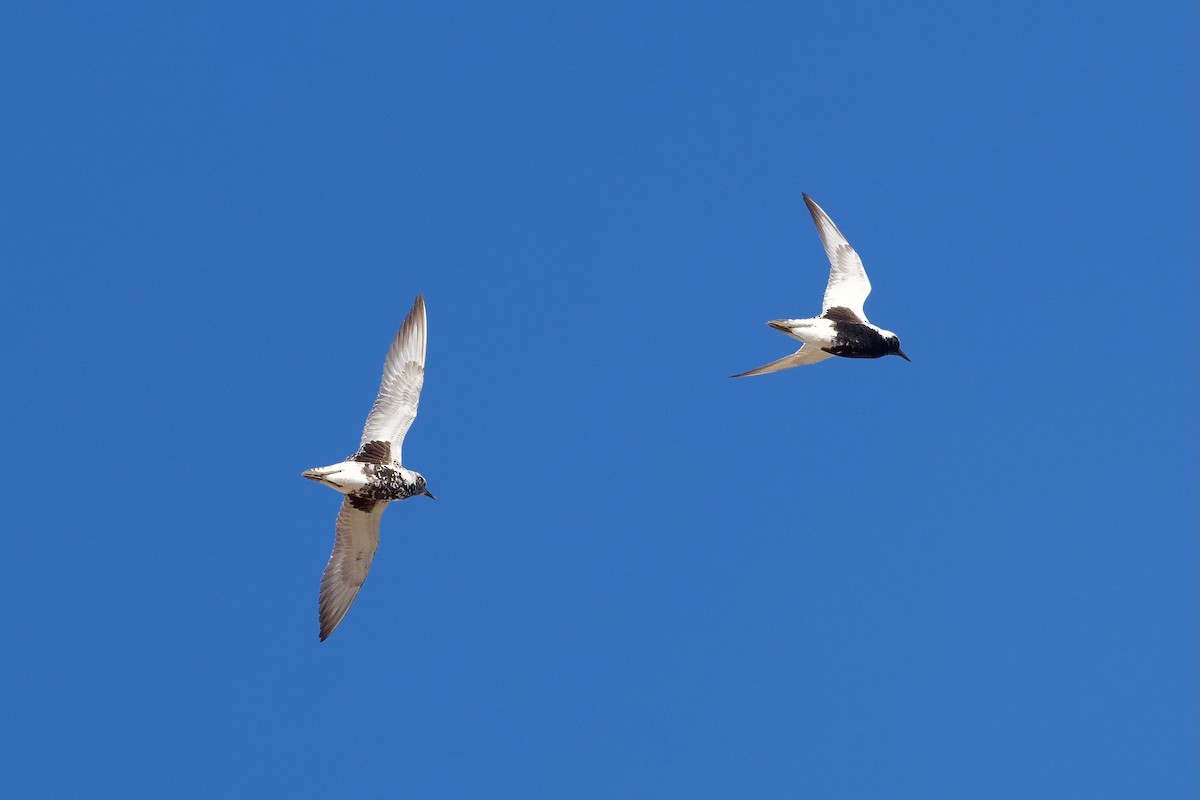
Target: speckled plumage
x,y
385,482
373,476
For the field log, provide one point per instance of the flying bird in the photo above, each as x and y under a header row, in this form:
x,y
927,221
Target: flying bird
x,y
842,329
373,476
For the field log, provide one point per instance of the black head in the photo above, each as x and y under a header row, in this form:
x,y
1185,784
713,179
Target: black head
x,y
420,488
894,348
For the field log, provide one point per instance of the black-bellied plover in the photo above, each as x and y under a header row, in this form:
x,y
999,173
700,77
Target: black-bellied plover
x,y
373,476
842,329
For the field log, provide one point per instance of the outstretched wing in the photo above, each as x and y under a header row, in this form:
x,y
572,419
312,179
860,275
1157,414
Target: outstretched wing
x,y
848,286
403,375
805,355
353,548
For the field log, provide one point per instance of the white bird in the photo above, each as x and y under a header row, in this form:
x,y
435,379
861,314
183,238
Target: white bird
x,y
842,329
373,476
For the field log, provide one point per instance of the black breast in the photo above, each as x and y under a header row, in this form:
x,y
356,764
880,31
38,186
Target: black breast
x,y
856,340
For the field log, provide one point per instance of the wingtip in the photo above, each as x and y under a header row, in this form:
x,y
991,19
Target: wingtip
x,y
324,630
415,320
327,627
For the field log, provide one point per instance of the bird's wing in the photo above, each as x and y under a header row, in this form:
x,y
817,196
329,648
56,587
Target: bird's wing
x,y
848,286
403,375
805,355
353,548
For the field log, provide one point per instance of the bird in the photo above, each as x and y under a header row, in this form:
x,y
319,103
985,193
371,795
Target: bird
x,y
373,476
842,329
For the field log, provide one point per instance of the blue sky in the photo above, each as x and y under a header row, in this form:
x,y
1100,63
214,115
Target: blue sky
x,y
974,575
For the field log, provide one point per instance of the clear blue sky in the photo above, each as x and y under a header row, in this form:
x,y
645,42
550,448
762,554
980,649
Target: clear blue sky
x,y
971,576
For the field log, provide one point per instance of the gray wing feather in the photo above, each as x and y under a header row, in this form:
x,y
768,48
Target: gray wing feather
x,y
353,548
403,376
848,286
805,355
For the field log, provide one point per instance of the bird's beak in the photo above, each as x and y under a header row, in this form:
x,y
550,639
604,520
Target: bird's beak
x,y
429,494
901,354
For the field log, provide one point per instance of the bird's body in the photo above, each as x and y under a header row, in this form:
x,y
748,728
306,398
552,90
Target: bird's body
x,y
365,483
374,476
842,329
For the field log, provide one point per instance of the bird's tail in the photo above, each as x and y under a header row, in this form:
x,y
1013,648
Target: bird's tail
x,y
318,473
794,327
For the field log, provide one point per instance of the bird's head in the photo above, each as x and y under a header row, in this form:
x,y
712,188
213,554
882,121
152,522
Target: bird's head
x,y
893,343
417,481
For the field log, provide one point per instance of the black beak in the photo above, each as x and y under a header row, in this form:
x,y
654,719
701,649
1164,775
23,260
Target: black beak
x,y
429,494
901,354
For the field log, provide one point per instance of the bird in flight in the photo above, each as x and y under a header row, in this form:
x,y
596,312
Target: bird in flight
x,y
842,329
373,476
